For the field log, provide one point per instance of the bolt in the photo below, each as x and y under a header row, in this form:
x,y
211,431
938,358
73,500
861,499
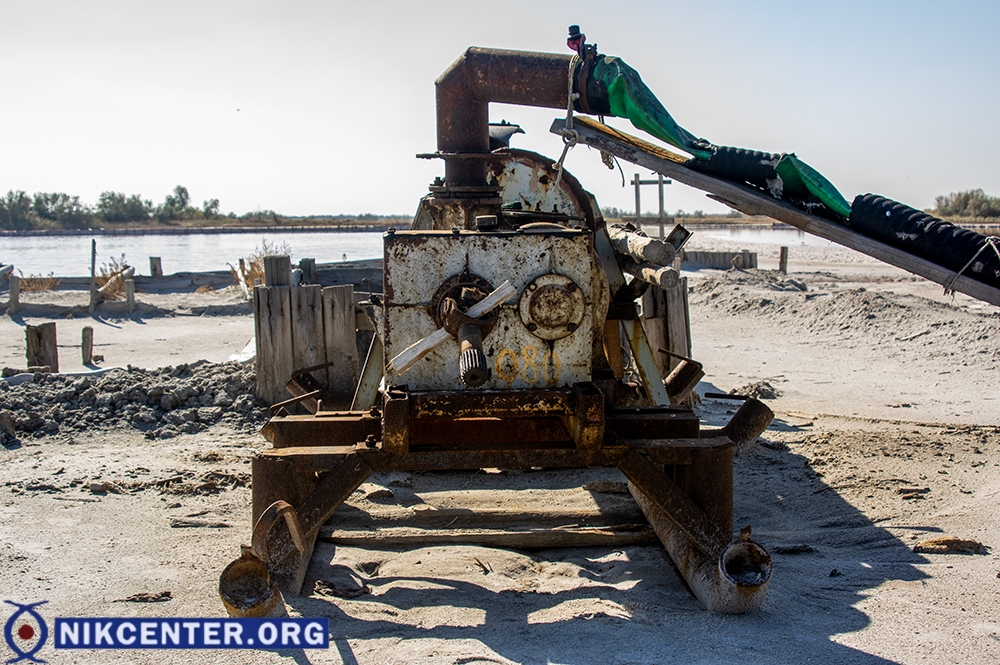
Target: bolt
x,y
374,412
571,287
532,327
371,441
571,327
532,286
389,231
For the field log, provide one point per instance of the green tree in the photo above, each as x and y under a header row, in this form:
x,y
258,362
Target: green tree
x,y
971,203
210,209
62,209
116,207
174,205
15,212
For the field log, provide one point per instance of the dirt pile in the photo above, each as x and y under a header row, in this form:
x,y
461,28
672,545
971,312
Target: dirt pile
x,y
162,403
897,324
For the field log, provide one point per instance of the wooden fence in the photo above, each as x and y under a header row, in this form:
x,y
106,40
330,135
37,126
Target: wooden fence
x,y
303,326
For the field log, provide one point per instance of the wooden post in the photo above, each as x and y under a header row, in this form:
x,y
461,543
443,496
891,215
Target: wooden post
x,y
155,267
130,294
14,300
678,322
93,275
638,210
273,335
654,313
783,261
659,181
87,345
277,271
746,259
339,330
41,346
307,329
308,268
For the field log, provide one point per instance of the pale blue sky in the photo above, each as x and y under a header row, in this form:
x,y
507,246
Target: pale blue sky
x,y
336,98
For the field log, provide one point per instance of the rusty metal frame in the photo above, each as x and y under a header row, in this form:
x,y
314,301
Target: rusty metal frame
x,y
679,477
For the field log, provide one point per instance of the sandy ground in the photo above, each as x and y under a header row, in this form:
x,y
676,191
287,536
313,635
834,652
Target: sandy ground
x,y
887,433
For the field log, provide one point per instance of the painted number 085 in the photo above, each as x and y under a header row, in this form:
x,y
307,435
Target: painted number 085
x,y
533,365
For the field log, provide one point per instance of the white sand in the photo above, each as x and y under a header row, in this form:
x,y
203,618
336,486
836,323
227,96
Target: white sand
x,y
884,390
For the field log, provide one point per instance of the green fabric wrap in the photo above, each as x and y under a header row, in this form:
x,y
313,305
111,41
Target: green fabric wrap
x,y
629,98
801,180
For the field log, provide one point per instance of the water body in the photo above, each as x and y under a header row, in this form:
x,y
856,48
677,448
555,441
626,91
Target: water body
x,y
69,256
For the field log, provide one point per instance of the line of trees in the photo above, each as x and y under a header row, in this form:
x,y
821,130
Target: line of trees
x,y
971,203
18,211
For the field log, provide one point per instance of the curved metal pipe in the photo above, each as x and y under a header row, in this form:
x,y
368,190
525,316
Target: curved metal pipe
x,y
481,76
734,582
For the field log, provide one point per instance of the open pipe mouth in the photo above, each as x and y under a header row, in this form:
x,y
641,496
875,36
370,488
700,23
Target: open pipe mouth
x,y
746,564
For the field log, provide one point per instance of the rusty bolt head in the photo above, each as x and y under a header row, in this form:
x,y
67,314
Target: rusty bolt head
x,y
374,412
532,327
571,287
571,327
371,441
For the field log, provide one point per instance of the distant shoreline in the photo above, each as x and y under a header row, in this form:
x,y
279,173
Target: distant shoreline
x,y
205,230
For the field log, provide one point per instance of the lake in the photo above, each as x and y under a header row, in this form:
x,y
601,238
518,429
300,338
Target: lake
x,y
69,256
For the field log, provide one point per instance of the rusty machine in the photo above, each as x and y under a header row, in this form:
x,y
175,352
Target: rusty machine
x,y
508,336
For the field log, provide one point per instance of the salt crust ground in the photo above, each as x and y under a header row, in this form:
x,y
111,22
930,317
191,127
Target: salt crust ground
x,y
886,433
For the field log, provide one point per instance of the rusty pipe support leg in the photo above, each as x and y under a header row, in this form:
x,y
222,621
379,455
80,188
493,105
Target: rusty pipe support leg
x,y
696,529
284,537
733,581
748,423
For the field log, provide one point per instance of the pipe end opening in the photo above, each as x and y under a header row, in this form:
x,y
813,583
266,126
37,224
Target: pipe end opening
x,y
746,564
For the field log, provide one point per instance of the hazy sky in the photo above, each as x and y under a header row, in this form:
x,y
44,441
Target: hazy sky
x,y
316,107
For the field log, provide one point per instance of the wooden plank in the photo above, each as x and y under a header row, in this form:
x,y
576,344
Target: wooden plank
x,y
340,341
308,268
277,271
751,202
649,372
42,350
273,336
371,377
534,539
655,325
155,266
307,328
677,323
783,261
87,345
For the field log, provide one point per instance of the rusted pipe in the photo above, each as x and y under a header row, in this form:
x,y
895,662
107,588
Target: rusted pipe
x,y
481,76
733,582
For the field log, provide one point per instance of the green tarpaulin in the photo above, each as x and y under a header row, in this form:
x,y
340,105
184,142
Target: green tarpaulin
x,y
628,97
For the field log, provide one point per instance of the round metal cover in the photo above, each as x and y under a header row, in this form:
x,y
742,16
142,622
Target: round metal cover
x,y
552,306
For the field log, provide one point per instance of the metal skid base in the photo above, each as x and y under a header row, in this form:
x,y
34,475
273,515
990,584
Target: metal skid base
x,y
681,478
